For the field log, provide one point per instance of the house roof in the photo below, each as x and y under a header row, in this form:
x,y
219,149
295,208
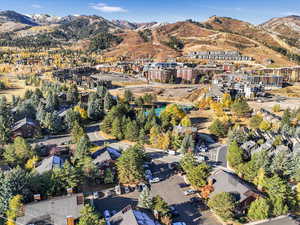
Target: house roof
x,y
54,211
286,220
133,217
228,182
105,154
23,122
248,145
49,163
4,168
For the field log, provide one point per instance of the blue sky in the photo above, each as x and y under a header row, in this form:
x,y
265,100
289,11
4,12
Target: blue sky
x,y
255,11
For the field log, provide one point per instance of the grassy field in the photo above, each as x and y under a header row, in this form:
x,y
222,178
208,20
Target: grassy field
x,y
16,87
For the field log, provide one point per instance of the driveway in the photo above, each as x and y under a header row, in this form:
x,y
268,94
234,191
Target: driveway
x,y
170,191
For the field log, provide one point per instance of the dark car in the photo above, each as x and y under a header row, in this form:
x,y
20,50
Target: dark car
x,y
183,185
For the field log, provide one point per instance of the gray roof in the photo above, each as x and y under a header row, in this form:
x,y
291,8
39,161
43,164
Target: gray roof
x,y
228,182
103,157
281,220
105,154
23,122
128,216
54,211
248,145
49,163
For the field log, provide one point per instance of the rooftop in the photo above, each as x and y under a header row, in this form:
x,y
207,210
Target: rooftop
x,y
54,211
49,163
128,216
228,182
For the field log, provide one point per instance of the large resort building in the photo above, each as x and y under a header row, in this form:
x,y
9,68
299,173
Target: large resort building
x,y
220,55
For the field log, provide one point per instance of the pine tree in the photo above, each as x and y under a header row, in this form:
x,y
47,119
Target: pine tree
x,y
223,204
108,176
88,216
116,129
154,134
109,101
259,209
218,128
132,131
235,155
145,199
71,176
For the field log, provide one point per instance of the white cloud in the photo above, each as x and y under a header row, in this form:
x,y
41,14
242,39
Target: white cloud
x,y
289,13
36,6
107,8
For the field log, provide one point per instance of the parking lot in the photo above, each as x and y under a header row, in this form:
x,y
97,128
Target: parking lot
x,y
169,189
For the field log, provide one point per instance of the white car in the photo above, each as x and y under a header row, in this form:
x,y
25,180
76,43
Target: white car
x,y
154,180
126,189
189,192
106,215
95,195
148,172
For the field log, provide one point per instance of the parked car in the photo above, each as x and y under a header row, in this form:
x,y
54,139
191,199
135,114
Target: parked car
x,y
113,212
189,192
106,215
171,152
183,185
154,180
118,190
148,172
126,189
95,195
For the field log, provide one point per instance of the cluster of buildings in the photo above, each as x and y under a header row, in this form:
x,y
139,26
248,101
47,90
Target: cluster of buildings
x,y
291,74
220,55
172,72
244,85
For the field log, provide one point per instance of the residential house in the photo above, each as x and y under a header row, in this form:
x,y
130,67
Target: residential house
x,y
128,216
57,211
224,181
280,220
105,156
25,128
50,163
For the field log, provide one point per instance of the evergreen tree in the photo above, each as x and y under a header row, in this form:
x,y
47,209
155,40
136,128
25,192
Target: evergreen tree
x,y
235,155
18,152
77,132
108,176
130,165
259,209
145,199
218,128
71,176
198,175
53,122
142,136
88,216
116,129
154,134
240,107
188,144
160,205
95,107
223,204
82,149
109,101
132,131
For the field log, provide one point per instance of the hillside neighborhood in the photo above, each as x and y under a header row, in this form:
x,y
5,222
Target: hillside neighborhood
x,y
117,123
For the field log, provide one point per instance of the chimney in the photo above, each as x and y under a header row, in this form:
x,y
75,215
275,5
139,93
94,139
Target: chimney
x,y
70,220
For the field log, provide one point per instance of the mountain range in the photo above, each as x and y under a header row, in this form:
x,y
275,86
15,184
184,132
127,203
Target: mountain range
x,y
277,39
